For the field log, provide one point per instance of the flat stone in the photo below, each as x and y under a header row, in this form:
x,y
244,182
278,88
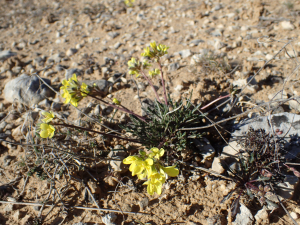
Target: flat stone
x,y
244,217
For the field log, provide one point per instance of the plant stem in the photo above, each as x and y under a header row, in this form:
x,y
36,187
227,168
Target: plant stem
x,y
163,82
221,97
94,131
149,81
122,108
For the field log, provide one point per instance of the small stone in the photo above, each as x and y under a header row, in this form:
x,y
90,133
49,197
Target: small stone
x,y
69,73
215,220
287,25
8,208
109,219
144,203
56,106
117,45
113,34
173,67
262,217
2,126
206,149
244,217
185,53
71,51
178,87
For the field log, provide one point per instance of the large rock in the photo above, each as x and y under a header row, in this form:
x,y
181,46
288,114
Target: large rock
x,y
27,90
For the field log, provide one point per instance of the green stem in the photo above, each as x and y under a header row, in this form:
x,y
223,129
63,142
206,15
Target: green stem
x,y
94,131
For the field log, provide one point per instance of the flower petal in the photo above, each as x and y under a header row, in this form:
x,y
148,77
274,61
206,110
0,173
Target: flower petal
x,y
171,171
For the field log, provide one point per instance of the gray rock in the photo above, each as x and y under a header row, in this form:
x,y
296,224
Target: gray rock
x,y
69,73
184,53
113,34
109,219
2,126
196,42
8,208
173,67
287,188
71,51
244,217
117,155
206,149
284,122
262,216
6,54
215,220
56,57
56,106
117,45
1,107
102,86
27,90
218,7
80,223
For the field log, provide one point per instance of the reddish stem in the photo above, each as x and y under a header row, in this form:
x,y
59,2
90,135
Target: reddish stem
x,y
149,81
163,82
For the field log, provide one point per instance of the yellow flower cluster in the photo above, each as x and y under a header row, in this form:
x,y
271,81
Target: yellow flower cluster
x,y
157,51
135,66
47,130
72,91
149,166
129,3
153,73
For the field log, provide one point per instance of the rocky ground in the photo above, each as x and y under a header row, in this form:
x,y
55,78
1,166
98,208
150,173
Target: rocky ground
x,y
213,44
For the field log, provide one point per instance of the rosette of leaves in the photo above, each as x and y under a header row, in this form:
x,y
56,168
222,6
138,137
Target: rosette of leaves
x,y
260,165
162,126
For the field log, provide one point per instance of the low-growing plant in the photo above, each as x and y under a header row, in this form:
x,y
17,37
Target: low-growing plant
x,y
261,166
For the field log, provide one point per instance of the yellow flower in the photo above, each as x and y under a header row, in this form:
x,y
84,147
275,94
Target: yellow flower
x,y
48,116
72,92
156,153
156,52
129,2
170,170
46,130
116,101
84,89
155,183
138,165
153,73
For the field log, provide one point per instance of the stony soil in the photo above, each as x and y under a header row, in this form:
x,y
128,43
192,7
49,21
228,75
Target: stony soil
x,y
234,38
